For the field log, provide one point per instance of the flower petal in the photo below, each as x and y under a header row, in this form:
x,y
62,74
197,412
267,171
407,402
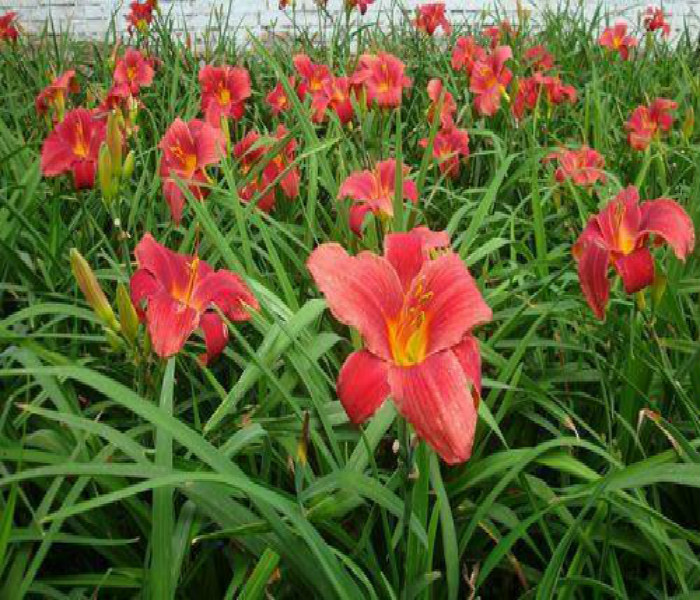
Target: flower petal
x,y
669,221
636,270
469,357
435,397
452,303
362,385
227,291
593,276
362,291
356,217
170,269
361,185
408,251
215,336
170,323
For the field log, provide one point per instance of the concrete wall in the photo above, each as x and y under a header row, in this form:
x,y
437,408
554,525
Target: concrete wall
x,y
90,18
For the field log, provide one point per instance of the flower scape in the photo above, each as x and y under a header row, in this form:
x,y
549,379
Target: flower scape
x,y
405,307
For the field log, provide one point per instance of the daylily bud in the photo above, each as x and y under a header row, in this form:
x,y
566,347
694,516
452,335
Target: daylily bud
x,y
689,123
114,141
104,173
128,318
658,288
128,168
114,340
91,289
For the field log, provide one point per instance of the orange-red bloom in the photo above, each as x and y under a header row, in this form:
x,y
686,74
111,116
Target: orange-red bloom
x,y
449,108
383,78
649,122
450,147
180,293
254,153
466,54
374,191
582,167
140,16
616,39
655,19
224,92
496,33
489,79
549,87
619,235
430,17
277,99
338,91
415,308
361,5
74,146
187,149
8,31
54,95
539,59
134,70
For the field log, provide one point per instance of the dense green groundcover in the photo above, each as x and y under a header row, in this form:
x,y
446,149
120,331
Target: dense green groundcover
x,y
127,475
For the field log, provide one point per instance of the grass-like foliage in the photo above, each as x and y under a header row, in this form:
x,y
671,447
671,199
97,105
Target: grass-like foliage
x,y
132,465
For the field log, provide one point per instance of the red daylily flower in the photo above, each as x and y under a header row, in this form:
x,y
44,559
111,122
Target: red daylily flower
x,y
188,147
74,145
449,146
496,32
415,308
616,39
54,94
313,75
648,122
8,31
539,59
582,167
530,89
383,78
619,235
374,191
224,92
139,17
489,80
277,98
466,54
117,97
432,16
338,92
180,293
250,152
361,5
134,70
655,19
449,108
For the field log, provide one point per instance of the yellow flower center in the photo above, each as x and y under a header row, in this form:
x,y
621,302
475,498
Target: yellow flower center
x,y
80,147
408,332
224,95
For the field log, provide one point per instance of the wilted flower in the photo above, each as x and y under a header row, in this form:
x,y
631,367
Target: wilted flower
x,y
432,16
180,294
450,147
73,146
415,308
373,191
649,122
655,19
616,39
619,236
582,167
277,99
489,80
466,54
133,70
539,59
383,78
188,147
549,88
496,33
53,96
224,92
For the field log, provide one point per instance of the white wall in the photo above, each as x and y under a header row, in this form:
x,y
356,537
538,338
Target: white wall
x,y
90,18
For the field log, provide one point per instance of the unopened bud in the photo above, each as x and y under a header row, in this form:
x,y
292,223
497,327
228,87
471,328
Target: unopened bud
x,y
128,318
689,123
104,173
91,289
114,142
128,168
658,288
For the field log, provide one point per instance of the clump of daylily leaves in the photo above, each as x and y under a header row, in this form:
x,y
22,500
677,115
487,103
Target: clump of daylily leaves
x,y
415,305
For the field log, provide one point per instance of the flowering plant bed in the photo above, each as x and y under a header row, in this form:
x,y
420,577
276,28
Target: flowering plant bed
x,y
412,312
